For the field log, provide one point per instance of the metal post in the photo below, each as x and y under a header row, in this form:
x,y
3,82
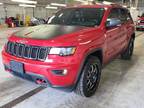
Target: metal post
x,y
122,1
24,15
33,13
136,3
66,1
130,1
5,10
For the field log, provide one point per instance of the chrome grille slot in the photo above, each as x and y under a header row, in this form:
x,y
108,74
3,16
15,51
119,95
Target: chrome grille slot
x,y
21,50
27,51
10,47
15,49
42,53
34,52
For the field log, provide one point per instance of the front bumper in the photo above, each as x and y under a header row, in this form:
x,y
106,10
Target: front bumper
x,y
43,70
43,81
29,76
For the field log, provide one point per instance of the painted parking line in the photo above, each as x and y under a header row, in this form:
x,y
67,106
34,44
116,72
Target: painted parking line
x,y
22,98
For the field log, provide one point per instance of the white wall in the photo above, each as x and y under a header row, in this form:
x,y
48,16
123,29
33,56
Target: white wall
x,y
134,14
2,13
141,10
13,10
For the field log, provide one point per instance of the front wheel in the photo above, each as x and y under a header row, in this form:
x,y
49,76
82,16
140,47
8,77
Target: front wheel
x,y
127,54
90,77
137,29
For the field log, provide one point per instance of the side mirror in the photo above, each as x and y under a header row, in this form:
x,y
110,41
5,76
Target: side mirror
x,y
113,22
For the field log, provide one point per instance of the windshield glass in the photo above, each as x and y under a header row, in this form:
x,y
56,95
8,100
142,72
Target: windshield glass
x,y
78,16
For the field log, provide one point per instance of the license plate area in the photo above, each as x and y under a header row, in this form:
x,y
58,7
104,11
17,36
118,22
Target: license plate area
x,y
17,67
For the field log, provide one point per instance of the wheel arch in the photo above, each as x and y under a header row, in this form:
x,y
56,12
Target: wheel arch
x,y
98,53
133,35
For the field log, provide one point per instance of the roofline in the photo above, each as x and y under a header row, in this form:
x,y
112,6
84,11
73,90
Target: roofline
x,y
98,5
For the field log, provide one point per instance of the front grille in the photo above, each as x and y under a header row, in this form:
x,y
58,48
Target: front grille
x,y
27,51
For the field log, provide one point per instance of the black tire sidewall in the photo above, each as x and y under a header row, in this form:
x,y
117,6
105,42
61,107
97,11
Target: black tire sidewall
x,y
129,47
132,41
96,61
126,54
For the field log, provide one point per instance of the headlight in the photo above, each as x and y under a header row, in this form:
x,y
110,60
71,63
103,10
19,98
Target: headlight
x,y
62,51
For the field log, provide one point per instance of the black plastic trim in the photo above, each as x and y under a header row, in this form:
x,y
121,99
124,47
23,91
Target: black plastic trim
x,y
32,77
82,65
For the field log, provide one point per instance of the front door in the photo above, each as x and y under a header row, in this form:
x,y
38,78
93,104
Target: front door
x,y
112,35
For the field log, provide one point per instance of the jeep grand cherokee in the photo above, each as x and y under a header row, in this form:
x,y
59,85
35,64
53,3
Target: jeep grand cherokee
x,y
71,49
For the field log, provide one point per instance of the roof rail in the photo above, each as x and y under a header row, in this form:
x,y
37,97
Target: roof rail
x,y
107,3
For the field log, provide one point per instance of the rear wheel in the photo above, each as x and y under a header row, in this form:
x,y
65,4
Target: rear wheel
x,y
90,77
127,54
137,29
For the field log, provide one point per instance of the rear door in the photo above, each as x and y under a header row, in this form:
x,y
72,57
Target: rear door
x,y
125,28
130,24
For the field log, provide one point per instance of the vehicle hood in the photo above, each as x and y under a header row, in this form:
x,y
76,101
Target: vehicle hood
x,y
44,32
56,35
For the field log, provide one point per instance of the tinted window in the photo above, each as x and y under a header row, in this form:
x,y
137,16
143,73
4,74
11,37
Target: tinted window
x,y
123,15
114,13
78,16
120,13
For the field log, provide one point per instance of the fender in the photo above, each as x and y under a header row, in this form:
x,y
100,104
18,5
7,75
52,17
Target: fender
x,y
82,65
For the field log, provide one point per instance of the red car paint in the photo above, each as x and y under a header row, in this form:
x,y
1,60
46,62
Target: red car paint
x,y
140,23
86,40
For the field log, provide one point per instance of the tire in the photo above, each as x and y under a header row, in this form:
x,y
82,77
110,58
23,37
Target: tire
x,y
90,77
127,54
137,29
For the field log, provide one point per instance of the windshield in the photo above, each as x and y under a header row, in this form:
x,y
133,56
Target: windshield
x,y
78,16
142,15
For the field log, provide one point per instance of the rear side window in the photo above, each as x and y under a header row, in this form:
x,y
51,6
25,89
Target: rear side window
x,y
114,13
125,15
121,14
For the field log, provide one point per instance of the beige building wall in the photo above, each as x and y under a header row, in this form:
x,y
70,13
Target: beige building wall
x,y
13,10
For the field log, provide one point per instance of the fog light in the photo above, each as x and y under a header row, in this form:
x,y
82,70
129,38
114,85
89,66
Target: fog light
x,y
60,72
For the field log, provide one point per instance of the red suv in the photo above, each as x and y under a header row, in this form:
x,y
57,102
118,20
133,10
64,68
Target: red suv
x,y
140,23
70,51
